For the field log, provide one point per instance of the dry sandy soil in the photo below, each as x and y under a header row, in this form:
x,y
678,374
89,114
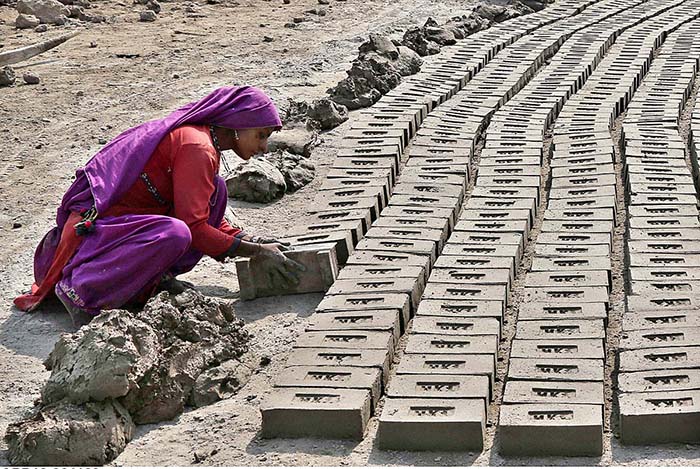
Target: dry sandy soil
x,y
119,74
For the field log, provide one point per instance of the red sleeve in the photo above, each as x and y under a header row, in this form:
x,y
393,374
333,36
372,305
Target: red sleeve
x,y
228,229
194,168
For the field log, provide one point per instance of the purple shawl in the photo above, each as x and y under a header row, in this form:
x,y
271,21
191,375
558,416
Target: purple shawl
x,y
115,168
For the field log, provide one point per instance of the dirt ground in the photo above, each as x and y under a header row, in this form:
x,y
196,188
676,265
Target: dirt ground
x,y
121,73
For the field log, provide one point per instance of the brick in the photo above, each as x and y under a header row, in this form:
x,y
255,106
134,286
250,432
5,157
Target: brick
x,y
557,348
661,287
342,240
406,126
581,192
663,199
336,377
575,239
333,357
519,227
367,301
584,278
321,271
495,203
316,412
385,173
555,369
451,344
664,260
487,239
564,162
668,358
508,181
451,291
647,178
657,234
408,200
663,210
413,287
380,272
549,392
561,329
442,364
497,215
461,308
410,246
583,170
508,170
654,418
580,214
551,430
446,325
584,181
662,336
431,425
508,192
468,276
653,320
331,216
358,187
408,233
382,340
370,134
356,227
571,264
567,295
659,381
660,221
324,203
548,310
663,302
577,226
643,274
432,386
415,175
377,258
583,203
663,189
380,320
677,246
419,212
483,256
441,224
430,190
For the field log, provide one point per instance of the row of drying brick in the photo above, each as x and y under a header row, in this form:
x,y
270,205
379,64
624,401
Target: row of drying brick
x,y
339,367
439,397
659,390
567,408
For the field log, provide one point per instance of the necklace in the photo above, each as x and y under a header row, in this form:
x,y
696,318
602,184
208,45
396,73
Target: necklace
x,y
217,147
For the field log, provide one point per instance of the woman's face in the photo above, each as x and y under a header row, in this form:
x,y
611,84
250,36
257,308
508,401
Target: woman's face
x,y
252,142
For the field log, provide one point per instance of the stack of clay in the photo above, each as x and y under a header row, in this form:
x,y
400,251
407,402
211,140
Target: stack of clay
x,y
659,383
358,323
553,402
445,379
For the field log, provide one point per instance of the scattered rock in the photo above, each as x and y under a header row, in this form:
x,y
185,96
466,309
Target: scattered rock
x,y
296,169
442,36
295,111
42,28
370,77
409,62
220,382
323,2
47,11
75,11
325,114
148,16
381,45
297,140
153,5
268,39
31,79
26,21
256,180
416,39
67,434
7,76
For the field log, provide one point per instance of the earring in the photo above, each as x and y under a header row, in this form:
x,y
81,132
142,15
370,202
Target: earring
x,y
235,134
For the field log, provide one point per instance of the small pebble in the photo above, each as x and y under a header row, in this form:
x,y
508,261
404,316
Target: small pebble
x,y
287,2
102,141
80,93
323,2
298,19
31,79
16,225
267,39
148,16
42,28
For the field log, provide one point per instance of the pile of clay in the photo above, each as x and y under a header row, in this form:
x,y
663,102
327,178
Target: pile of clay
x,y
128,368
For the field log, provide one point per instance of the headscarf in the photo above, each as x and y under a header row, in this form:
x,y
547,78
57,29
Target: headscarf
x,y
115,168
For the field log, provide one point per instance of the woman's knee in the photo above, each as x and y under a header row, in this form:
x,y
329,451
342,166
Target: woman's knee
x,y
178,235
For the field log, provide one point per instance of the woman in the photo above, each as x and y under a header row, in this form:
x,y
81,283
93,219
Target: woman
x,y
150,204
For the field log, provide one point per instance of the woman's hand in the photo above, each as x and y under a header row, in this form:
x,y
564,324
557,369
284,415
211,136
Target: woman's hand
x,y
283,271
284,245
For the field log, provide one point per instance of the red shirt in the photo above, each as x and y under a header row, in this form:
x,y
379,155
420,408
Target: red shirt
x,y
182,171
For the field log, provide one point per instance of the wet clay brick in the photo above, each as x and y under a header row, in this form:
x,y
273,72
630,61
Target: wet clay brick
x,y
571,264
452,291
450,344
367,301
558,348
386,320
456,326
653,320
573,239
316,412
336,215
664,260
337,377
660,274
551,430
381,340
430,190
321,265
659,380
555,369
678,246
553,310
581,192
531,193
659,287
418,212
549,392
466,276
432,425
660,337
663,302
561,329
461,308
668,358
390,258
453,364
431,386
567,295
654,418
577,226
341,240
324,204
409,286
407,233
401,245
385,173
518,227
662,210
584,278
380,272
